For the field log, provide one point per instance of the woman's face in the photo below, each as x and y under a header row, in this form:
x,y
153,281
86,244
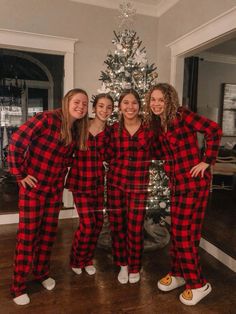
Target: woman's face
x,y
157,102
129,107
103,109
78,106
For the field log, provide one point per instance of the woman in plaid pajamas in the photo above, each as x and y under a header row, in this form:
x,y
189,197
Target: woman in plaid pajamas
x,y
128,155
190,178
39,154
86,181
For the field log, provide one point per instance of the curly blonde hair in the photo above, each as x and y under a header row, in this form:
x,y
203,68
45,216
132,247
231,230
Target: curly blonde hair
x,y
171,100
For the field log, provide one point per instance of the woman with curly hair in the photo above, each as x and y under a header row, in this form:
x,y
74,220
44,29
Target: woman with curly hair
x,y
188,169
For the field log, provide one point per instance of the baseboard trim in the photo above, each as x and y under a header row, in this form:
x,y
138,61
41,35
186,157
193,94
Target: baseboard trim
x,y
68,213
6,219
224,258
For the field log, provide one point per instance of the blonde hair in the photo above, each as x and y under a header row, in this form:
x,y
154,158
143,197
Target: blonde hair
x,y
171,100
79,130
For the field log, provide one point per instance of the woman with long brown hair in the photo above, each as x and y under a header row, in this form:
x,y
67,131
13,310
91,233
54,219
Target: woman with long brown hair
x,y
39,153
128,155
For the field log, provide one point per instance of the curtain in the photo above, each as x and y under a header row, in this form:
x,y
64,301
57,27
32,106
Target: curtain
x,y
190,87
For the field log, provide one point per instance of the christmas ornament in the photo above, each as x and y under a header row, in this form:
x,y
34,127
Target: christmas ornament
x,y
127,14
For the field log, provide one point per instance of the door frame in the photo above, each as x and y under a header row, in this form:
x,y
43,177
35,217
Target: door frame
x,y
213,32
41,43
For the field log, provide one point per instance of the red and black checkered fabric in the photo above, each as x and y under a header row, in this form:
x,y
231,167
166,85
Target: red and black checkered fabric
x,y
86,181
87,171
179,146
127,180
38,218
36,149
126,213
90,210
129,158
187,214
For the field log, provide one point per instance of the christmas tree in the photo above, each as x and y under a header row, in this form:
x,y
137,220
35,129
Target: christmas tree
x,y
128,67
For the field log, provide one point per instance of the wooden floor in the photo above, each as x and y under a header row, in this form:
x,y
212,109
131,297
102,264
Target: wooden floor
x,y
102,294
219,226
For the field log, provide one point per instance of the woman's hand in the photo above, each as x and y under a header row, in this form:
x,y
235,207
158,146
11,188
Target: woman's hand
x,y
30,181
199,169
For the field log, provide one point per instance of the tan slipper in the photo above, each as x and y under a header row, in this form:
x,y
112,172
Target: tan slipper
x,y
193,296
169,283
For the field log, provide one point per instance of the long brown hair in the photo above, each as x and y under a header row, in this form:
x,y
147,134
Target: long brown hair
x,y
79,130
171,100
122,96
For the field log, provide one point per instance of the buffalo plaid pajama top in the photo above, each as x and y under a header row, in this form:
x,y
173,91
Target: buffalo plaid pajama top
x,y
36,149
86,181
127,179
179,146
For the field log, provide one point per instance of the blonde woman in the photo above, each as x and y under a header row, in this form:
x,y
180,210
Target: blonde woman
x,y
39,154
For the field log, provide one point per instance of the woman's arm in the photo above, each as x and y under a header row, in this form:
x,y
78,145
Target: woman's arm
x,y
211,130
20,142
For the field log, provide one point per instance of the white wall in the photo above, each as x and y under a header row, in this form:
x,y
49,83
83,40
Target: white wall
x,y
211,77
181,19
92,26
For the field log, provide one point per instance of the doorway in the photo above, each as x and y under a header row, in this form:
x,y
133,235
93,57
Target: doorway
x,y
215,32
29,83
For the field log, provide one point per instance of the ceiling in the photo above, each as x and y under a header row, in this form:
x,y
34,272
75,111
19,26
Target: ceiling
x,y
147,7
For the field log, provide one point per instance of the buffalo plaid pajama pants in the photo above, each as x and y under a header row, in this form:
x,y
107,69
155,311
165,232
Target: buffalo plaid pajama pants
x,y
38,219
126,212
187,214
90,210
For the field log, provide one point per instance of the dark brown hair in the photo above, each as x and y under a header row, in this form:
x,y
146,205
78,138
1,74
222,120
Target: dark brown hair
x,y
122,96
100,96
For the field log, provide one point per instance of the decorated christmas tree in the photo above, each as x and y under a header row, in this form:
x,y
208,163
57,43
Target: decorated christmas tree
x,y
128,67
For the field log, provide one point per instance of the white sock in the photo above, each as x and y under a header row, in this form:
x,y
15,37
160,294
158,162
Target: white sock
x,y
90,269
78,271
134,277
49,283
22,299
123,275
